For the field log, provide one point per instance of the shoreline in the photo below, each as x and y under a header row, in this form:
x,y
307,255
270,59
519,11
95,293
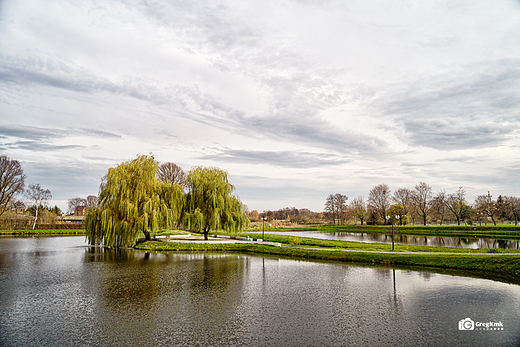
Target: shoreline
x,y
500,265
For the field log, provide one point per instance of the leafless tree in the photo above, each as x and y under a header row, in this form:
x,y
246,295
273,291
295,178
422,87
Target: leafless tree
x,y
170,172
438,206
73,203
379,200
421,199
359,208
12,181
39,197
337,205
402,196
456,204
92,201
512,207
488,208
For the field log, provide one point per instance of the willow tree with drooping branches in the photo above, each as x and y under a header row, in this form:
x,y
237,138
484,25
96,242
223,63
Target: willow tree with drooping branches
x,y
133,202
209,203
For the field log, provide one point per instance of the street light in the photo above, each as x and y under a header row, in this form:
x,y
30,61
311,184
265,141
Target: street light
x,y
392,221
263,229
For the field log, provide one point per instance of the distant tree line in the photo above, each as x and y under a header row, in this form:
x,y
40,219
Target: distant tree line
x,y
421,205
289,214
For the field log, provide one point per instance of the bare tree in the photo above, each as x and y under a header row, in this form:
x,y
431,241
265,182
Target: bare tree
x,y
421,199
39,197
488,208
92,201
337,205
359,208
12,181
438,206
73,203
456,204
170,172
512,207
402,196
379,200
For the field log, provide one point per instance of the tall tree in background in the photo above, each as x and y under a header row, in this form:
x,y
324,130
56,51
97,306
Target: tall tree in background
x,y
92,201
403,197
210,203
73,203
171,173
336,204
439,206
132,201
359,208
12,181
39,197
379,200
512,207
421,199
456,204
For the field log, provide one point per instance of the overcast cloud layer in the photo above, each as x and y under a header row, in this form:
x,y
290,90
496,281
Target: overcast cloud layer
x,y
295,99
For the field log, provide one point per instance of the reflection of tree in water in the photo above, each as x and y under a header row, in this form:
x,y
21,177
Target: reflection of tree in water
x,y
126,277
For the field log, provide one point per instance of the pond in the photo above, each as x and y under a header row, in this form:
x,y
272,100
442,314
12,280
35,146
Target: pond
x,y
436,241
58,292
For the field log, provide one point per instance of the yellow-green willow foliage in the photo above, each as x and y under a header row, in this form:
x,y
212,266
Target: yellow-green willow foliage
x,y
209,203
133,202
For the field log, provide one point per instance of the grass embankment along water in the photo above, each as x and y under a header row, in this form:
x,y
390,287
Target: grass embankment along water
x,y
502,231
42,232
371,246
497,265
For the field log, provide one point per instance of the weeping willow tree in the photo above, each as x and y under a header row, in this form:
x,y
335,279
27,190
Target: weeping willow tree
x,y
209,202
132,202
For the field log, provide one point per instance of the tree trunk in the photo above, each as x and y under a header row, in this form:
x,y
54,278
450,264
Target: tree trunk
x,y
424,219
206,232
147,236
35,219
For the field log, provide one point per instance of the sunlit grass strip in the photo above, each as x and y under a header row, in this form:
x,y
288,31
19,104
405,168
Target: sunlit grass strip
x,y
429,230
509,265
371,246
44,231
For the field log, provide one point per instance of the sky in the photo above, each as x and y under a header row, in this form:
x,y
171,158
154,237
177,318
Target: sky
x,y
296,99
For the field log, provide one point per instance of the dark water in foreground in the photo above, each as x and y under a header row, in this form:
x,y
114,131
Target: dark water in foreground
x,y
56,292
435,241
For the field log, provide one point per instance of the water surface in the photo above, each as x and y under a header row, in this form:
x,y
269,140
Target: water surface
x,y
57,292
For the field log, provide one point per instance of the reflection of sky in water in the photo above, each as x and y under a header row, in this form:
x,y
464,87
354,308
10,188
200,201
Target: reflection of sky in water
x,y
62,294
408,239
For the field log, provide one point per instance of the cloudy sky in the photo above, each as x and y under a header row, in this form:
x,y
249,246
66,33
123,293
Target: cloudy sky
x,y
295,99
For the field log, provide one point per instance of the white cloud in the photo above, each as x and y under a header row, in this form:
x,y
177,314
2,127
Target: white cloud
x,y
350,93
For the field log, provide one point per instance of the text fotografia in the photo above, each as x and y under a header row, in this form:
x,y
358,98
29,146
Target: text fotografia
x,y
469,324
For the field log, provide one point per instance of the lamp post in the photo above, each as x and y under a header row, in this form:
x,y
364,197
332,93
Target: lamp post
x,y
263,229
392,221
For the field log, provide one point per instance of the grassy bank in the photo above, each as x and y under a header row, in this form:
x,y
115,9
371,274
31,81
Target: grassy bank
x,y
42,232
497,266
507,231
370,246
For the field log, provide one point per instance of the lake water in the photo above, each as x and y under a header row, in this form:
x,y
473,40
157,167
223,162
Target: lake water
x,y
58,292
435,241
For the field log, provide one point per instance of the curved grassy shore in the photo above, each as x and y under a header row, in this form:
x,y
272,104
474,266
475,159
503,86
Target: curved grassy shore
x,y
499,265
500,232
42,232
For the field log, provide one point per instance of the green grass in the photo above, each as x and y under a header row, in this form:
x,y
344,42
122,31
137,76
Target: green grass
x,y
42,232
503,231
372,246
500,267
